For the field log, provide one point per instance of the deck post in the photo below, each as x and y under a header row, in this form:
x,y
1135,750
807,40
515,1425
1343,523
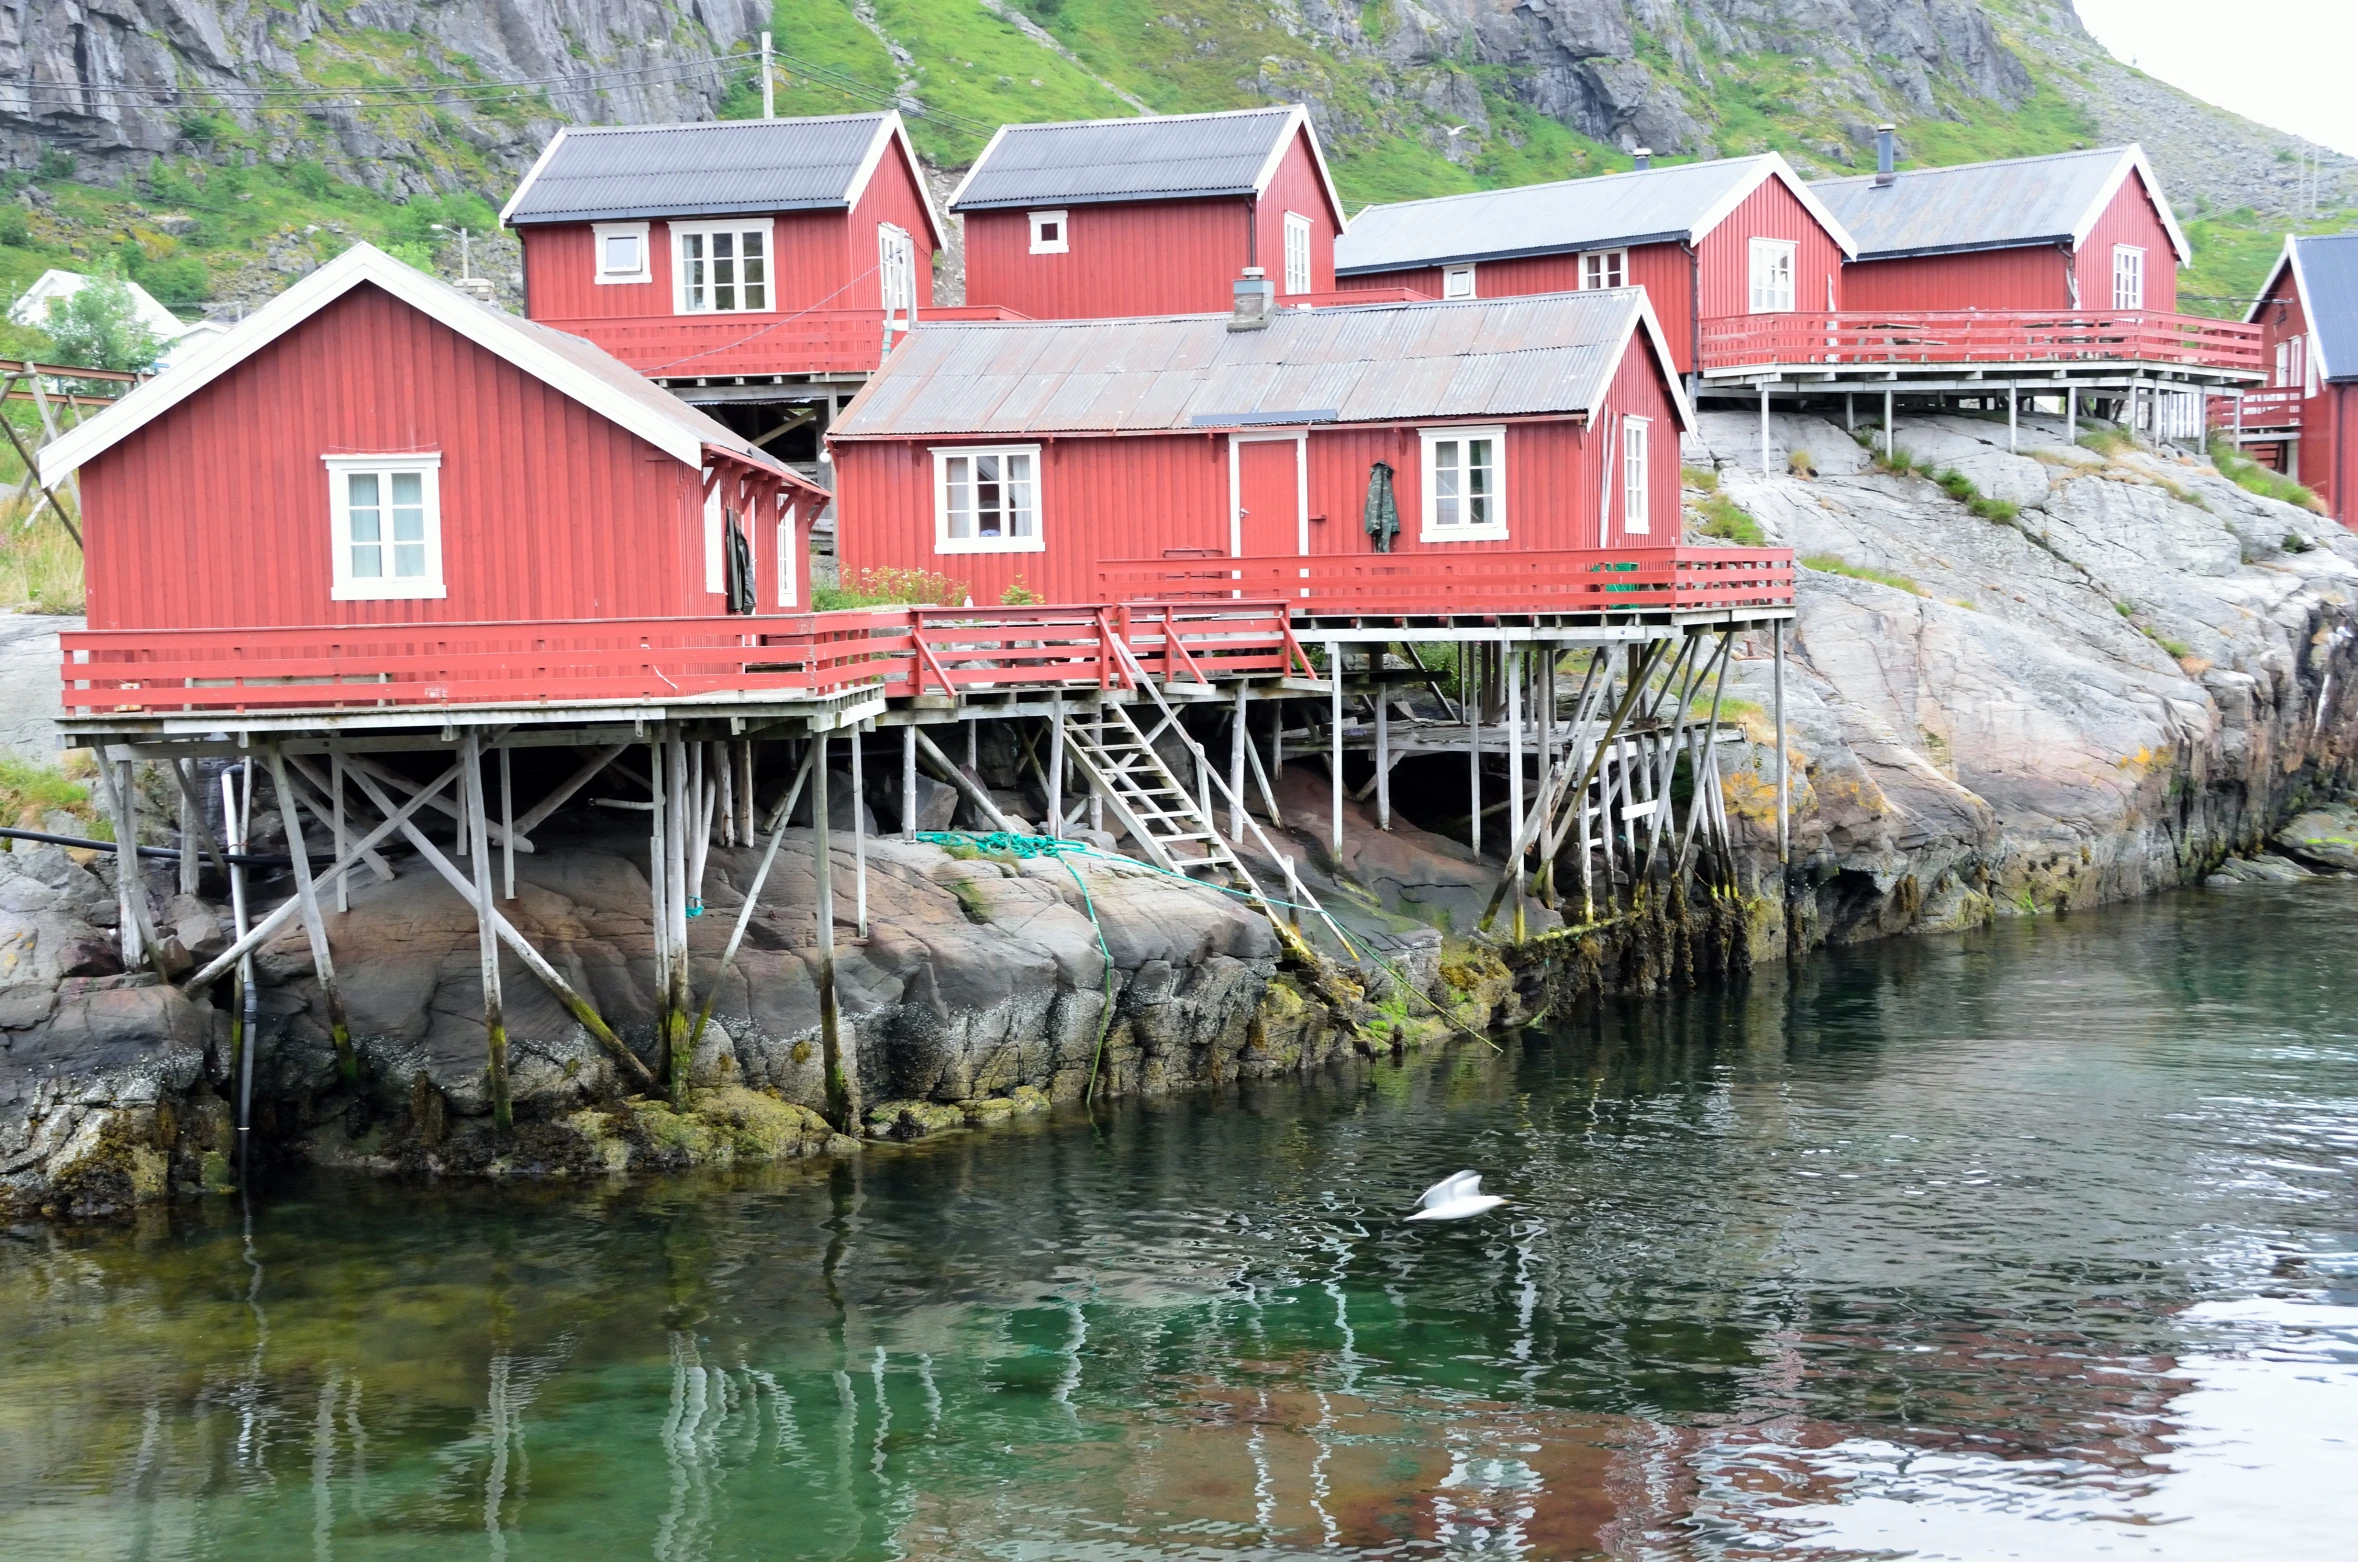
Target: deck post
x,y
191,861
2071,414
1238,742
1850,412
336,824
1056,768
314,926
1511,661
2202,417
245,1001
909,782
1383,755
140,944
1890,432
742,759
659,920
841,1107
1469,699
495,1029
1334,672
1784,758
721,763
859,816
2013,420
1764,430
507,826
1097,733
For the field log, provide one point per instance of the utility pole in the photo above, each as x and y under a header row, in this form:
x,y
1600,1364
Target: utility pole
x,y
466,251
769,96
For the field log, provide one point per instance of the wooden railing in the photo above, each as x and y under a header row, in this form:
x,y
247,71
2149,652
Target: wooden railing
x,y
814,341
1433,583
2275,408
1870,337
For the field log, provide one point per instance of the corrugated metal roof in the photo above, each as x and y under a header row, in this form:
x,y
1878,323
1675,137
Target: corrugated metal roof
x,y
1656,204
1366,363
1160,157
2025,200
609,173
592,359
2327,265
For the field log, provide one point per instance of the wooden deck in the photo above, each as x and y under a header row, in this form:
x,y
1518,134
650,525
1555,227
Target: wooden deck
x,y
1986,338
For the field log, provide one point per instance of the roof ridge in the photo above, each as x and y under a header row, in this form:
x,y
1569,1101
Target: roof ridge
x,y
1149,119
1560,184
724,124
1992,162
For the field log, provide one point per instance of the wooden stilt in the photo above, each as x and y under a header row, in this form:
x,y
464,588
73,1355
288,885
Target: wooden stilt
x,y
1512,661
192,862
974,746
1334,670
1784,761
1260,776
1383,748
141,946
196,812
564,792
495,1025
1890,430
336,824
1096,798
1056,767
859,817
2013,420
244,1001
743,763
761,876
966,784
678,819
658,899
360,764
314,926
1240,741
507,826
2071,414
723,767
909,783
1766,469
312,788
842,1106
1469,669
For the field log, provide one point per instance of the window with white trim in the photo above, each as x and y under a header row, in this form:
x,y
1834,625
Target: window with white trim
x,y
2128,277
1464,484
621,252
1051,234
2308,379
1297,253
896,269
716,542
385,517
1457,282
2291,368
1604,268
1636,492
1772,276
789,566
986,499
721,267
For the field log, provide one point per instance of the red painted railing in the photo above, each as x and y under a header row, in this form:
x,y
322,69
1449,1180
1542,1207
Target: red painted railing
x,y
1428,583
1979,336
2276,408
816,341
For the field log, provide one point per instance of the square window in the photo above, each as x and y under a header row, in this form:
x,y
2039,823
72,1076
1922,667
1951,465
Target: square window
x,y
2128,277
621,249
1636,491
987,499
1050,234
721,268
1604,268
1464,484
385,525
1772,276
1297,253
1457,282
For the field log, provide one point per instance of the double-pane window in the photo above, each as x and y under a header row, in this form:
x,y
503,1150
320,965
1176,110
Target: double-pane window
x,y
896,269
1772,276
1297,253
387,526
987,500
723,270
1465,489
1604,268
1636,492
2128,277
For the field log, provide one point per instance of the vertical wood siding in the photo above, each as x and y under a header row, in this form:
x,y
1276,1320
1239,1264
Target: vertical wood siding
x,y
216,515
2033,276
1296,187
2131,218
809,266
893,195
1770,212
1145,258
1665,271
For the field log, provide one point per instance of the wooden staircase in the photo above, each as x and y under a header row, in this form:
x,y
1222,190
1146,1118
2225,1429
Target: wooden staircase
x,y
1167,821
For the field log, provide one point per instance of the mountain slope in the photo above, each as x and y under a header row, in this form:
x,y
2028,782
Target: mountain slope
x,y
218,147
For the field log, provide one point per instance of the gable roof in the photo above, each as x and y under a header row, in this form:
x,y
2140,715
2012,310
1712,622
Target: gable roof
x,y
2324,269
1153,157
611,173
1644,206
32,305
1505,357
565,363
2055,199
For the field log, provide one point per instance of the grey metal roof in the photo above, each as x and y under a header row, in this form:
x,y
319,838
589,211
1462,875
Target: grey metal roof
x,y
1934,211
607,173
2327,266
591,359
1645,205
1152,158
1362,363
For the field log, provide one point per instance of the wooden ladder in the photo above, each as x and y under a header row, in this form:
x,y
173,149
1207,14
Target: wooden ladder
x,y
1167,820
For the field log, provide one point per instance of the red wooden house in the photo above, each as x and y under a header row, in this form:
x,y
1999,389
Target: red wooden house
x,y
1104,460
759,267
374,447
1092,219
2308,319
1734,237
2071,231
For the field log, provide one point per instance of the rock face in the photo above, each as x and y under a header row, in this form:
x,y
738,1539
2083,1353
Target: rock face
x,y
2141,673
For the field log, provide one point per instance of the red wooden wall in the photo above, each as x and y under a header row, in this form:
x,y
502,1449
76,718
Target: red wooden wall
x,y
2031,276
217,514
1150,257
1724,255
1665,271
895,195
2131,218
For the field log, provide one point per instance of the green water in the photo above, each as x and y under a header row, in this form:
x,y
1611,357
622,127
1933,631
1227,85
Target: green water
x,y
2037,1242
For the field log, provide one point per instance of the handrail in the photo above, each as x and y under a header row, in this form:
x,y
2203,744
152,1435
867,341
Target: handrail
x,y
1900,336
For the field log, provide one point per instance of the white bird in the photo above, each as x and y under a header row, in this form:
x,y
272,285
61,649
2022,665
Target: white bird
x,y
1458,1197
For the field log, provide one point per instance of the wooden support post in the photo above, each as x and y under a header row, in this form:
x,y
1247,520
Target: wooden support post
x,y
245,1002
2071,414
495,1026
196,812
565,790
761,876
315,926
658,899
1890,428
1383,749
1850,412
1765,469
859,813
336,825
723,766
1511,659
140,944
1334,671
842,1106
679,816
1097,798
1056,767
974,746
1784,761
743,759
909,782
1240,740
192,861
966,784
1469,700
507,826
2013,420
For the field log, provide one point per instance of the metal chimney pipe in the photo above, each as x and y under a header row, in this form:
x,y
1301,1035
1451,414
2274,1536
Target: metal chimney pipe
x,y
1883,154
1644,156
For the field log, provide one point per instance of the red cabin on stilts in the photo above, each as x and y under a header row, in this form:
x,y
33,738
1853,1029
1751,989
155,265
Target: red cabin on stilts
x,y
2302,421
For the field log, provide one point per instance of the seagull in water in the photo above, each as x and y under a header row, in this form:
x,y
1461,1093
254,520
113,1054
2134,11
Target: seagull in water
x,y
1456,1198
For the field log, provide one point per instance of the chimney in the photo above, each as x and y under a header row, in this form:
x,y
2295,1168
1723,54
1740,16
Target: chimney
x,y
1256,301
1645,158
1883,171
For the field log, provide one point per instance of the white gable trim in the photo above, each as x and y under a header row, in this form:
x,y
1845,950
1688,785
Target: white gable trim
x,y
981,160
2132,160
1298,123
1661,348
1773,166
2284,261
483,326
2317,359
532,174
889,130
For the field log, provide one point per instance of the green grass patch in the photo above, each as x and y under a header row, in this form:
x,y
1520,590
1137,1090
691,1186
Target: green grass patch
x,y
2252,477
2107,441
30,792
1724,519
1961,488
1835,564
1703,478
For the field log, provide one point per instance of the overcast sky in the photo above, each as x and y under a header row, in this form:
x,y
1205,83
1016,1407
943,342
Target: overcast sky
x,y
2285,63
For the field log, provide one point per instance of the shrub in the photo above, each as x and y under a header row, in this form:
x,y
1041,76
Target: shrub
x,y
16,230
99,326
1020,595
56,163
1835,564
2252,477
1723,519
889,587
179,280
2177,648
1798,462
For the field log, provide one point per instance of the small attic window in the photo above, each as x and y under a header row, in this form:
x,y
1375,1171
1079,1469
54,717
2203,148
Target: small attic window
x,y
1049,234
622,251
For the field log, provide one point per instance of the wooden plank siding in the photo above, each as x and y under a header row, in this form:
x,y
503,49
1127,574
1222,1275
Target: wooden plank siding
x,y
2027,276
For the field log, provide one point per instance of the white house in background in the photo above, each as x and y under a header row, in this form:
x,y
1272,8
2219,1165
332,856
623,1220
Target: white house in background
x,y
192,340
33,307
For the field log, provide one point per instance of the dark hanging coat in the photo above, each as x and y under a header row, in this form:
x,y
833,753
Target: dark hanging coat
x,y
1383,510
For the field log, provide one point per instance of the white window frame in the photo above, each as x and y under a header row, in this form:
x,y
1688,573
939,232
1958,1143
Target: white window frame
x,y
789,564
716,545
2128,267
600,232
1637,487
2308,362
1431,528
896,259
943,542
1603,261
1769,258
1297,254
681,232
344,586
1458,282
1061,244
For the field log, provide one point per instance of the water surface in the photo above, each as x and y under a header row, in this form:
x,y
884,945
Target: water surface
x,y
2037,1242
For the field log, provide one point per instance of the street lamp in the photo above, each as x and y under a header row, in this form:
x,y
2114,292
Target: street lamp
x,y
466,262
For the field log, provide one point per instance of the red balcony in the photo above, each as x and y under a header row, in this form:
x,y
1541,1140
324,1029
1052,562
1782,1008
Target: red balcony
x,y
2276,410
813,341
1871,338
1428,583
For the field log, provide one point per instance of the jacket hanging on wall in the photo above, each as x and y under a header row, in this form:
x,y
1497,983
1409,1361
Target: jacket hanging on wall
x,y
1383,510
738,559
